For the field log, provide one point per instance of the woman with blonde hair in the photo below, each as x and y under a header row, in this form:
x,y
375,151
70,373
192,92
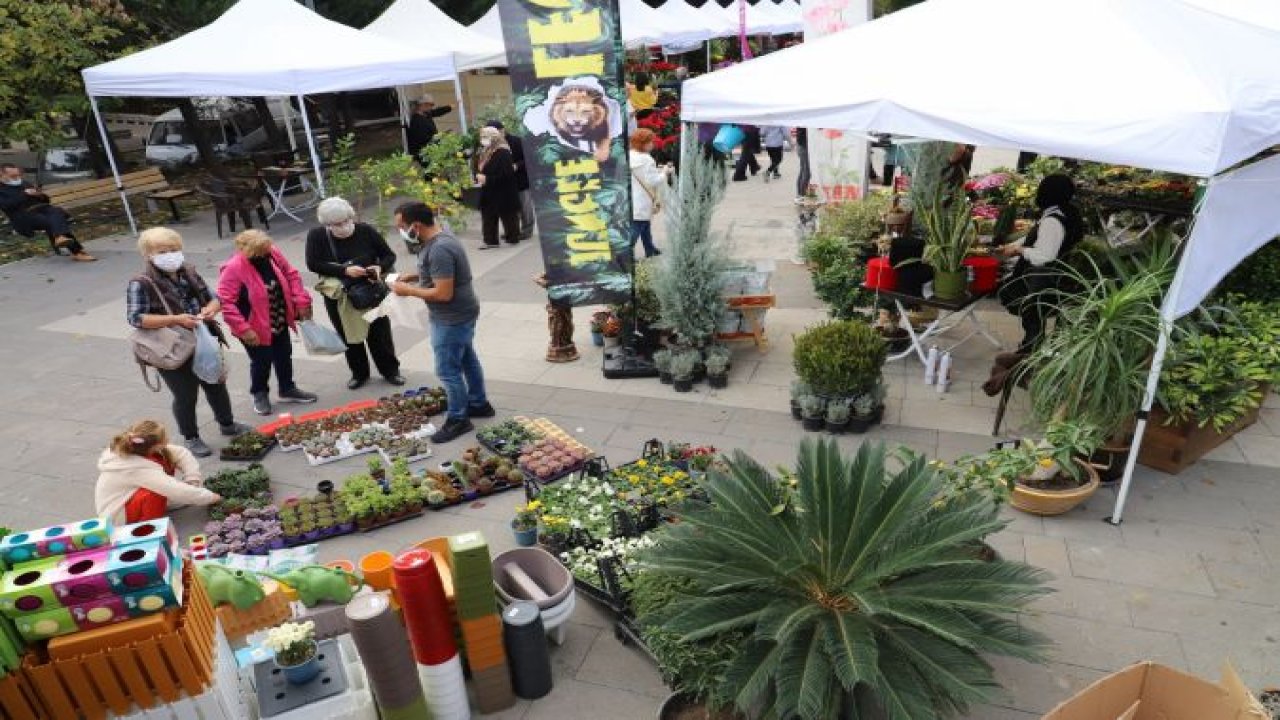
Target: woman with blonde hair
x,y
170,293
499,192
141,473
262,300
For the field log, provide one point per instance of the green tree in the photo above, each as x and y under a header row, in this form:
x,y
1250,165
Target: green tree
x,y
44,47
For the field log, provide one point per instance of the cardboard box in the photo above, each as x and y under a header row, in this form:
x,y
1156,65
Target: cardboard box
x,y
1150,691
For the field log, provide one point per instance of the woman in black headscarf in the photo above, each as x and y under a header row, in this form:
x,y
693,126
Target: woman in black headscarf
x,y
1027,292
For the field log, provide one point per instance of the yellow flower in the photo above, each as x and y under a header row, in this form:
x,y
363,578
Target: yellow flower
x,y
533,505
642,463
668,480
679,495
633,479
1046,462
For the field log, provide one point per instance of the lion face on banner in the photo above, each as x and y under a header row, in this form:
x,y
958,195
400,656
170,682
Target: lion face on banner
x,y
580,114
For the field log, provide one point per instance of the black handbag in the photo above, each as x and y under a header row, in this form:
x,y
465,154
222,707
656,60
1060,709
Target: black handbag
x,y
363,293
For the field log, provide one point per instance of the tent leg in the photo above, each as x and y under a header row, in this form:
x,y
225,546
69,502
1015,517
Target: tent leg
x,y
311,144
1168,312
404,117
287,112
462,103
111,160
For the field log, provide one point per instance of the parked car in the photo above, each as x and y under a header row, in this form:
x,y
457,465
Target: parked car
x,y
233,127
67,162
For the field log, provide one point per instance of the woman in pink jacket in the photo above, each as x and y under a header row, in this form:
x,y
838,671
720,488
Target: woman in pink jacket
x,y
262,299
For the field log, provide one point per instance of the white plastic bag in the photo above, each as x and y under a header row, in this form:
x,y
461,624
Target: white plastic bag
x,y
403,311
320,340
208,363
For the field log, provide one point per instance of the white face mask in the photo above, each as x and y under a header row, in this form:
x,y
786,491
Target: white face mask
x,y
168,261
411,239
343,230
13,181
485,142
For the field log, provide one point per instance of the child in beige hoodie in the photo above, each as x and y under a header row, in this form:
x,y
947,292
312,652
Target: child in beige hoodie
x,y
141,473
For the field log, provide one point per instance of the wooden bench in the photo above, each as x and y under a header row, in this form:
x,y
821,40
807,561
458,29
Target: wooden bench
x,y
149,183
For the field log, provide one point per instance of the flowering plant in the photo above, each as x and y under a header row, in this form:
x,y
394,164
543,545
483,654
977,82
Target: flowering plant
x,y
1027,462
584,562
293,643
527,515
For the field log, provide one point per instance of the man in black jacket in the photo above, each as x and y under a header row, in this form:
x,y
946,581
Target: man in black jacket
x,y
29,211
422,124
527,217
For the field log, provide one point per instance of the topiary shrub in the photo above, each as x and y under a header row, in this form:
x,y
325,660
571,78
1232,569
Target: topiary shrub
x,y
839,358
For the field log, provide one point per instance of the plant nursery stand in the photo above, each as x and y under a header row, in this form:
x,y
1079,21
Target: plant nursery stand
x,y
753,309
954,313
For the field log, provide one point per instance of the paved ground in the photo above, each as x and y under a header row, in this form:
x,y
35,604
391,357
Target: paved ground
x,y
1191,578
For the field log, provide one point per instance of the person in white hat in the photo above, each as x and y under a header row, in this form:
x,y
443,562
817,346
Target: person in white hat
x,y
422,124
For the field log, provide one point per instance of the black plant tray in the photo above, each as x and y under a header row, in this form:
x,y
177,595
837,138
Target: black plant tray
x,y
596,466
380,525
498,450
223,456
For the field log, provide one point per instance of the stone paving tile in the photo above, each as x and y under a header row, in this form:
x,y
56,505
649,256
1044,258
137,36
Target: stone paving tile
x,y
615,665
1037,688
573,699
1259,584
1106,647
1085,599
1259,449
1165,571
993,712
1049,553
1010,545
1237,546
1195,616
1254,659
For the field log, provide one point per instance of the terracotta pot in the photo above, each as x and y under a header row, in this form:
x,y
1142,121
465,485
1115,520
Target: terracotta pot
x,y
1054,502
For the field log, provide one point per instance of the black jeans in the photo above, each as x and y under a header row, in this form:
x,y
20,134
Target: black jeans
x,y
381,346
55,222
263,357
510,225
775,158
745,160
186,387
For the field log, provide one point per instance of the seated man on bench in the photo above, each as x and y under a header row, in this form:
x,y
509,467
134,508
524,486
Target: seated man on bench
x,y
29,210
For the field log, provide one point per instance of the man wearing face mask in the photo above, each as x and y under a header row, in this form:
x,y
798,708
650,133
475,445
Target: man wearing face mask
x,y
342,251
444,283
29,211
422,124
170,293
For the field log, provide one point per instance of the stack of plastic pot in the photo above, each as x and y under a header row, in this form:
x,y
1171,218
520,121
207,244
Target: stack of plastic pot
x,y
526,640
477,609
388,660
430,626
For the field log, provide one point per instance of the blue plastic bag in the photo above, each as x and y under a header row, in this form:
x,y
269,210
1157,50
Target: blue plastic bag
x,y
728,138
208,363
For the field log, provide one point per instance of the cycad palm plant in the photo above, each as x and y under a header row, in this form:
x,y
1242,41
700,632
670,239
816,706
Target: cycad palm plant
x,y
861,594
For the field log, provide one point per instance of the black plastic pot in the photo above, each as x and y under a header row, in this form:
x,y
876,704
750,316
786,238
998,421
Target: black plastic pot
x,y
718,381
837,428
814,424
859,424
684,385
664,377
1110,462
795,409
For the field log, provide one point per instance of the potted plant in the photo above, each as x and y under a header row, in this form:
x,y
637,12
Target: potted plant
x,y
864,409
838,415
662,362
1046,477
612,331
525,524
799,389
682,367
948,227
294,645
812,409
717,370
839,358
598,320
376,471
788,561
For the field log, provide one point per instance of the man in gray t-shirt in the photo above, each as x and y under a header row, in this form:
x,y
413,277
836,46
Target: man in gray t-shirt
x,y
444,283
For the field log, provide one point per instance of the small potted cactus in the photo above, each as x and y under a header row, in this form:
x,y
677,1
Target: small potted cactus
x,y
838,415
682,368
812,412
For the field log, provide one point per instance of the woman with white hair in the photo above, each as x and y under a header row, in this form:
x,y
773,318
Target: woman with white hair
x,y
499,191
262,300
342,251
170,293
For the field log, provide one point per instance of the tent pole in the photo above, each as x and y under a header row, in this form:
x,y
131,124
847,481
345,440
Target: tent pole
x,y
311,144
404,117
111,160
1168,313
286,109
457,90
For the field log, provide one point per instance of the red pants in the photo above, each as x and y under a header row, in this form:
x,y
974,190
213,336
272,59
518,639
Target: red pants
x,y
145,505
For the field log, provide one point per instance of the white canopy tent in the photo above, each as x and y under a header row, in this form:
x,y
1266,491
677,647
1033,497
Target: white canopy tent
x,y
760,20
286,50
1174,86
489,24
420,22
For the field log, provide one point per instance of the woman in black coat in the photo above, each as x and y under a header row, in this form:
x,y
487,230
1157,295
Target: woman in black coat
x,y
499,190
347,250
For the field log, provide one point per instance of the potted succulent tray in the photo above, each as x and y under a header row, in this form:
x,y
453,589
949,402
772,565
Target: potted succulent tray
x,y
507,438
329,448
480,476
409,449
443,489
247,447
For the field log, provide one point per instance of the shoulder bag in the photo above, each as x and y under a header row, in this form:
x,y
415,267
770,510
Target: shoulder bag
x,y
165,348
654,200
363,293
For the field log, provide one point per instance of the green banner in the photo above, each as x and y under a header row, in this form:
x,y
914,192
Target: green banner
x,y
565,60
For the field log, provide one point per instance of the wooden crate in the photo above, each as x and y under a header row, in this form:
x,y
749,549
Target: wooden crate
x,y
268,612
1174,448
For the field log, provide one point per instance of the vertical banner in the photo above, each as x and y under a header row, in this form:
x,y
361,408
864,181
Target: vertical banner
x,y
838,157
566,62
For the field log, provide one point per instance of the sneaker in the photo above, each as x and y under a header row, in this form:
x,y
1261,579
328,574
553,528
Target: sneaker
x,y
356,383
84,257
197,447
297,396
481,411
396,379
487,246
452,428
262,403
234,428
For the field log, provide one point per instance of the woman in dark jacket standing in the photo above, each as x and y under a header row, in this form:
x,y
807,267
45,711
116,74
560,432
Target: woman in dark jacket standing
x,y
342,251
168,293
499,192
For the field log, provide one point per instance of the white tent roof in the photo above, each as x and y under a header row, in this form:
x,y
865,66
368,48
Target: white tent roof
x,y
641,25
420,22
683,15
760,21
1160,84
489,25
267,48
